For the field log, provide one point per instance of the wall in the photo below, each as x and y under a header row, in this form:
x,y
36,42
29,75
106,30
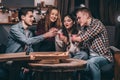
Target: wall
x,y
18,3
4,29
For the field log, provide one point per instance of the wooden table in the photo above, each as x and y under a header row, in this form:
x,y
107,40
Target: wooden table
x,y
60,71
20,58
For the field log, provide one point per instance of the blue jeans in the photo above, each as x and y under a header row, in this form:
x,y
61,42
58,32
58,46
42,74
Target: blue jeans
x,y
80,55
94,65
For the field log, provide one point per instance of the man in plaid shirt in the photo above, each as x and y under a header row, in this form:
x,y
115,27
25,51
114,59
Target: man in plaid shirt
x,y
94,37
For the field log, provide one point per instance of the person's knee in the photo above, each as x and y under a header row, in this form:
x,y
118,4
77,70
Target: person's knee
x,y
98,60
85,56
93,60
82,55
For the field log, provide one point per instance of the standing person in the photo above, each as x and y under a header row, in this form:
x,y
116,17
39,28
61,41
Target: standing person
x,y
21,38
63,39
94,37
52,20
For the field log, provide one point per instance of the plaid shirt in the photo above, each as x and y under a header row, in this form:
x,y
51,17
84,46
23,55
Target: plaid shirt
x,y
95,37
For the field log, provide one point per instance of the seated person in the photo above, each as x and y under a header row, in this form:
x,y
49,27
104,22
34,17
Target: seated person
x,y
94,37
21,38
52,20
63,39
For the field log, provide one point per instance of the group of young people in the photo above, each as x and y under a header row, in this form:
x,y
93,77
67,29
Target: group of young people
x,y
83,36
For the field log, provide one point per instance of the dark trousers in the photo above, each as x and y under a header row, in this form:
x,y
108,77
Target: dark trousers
x,y
4,73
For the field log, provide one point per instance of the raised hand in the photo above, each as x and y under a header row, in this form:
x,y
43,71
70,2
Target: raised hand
x,y
51,33
76,38
62,37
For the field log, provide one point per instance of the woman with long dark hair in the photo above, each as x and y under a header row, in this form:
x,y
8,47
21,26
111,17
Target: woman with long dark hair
x,y
63,39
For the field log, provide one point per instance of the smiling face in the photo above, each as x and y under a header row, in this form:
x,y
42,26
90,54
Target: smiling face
x,y
53,15
28,18
68,22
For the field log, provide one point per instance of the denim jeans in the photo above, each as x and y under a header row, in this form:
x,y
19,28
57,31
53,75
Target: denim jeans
x,y
94,65
80,55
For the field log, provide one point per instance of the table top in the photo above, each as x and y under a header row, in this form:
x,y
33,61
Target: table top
x,y
21,56
14,57
64,65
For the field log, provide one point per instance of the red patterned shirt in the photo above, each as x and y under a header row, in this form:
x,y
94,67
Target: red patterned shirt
x,y
95,37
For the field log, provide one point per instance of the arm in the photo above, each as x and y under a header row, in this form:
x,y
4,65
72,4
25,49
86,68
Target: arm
x,y
95,30
59,44
90,33
18,35
61,41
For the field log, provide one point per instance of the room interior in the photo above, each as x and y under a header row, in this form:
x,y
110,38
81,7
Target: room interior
x,y
108,11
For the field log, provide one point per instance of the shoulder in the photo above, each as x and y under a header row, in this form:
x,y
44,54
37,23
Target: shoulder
x,y
16,26
97,21
42,21
41,24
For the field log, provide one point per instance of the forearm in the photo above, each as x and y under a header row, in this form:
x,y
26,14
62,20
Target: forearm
x,y
90,33
23,39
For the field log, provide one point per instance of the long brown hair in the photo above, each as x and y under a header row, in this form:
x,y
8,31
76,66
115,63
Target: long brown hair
x,y
58,23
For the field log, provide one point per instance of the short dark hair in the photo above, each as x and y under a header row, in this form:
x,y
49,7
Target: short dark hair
x,y
23,11
83,9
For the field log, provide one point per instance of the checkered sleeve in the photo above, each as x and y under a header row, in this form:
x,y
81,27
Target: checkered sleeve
x,y
95,30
